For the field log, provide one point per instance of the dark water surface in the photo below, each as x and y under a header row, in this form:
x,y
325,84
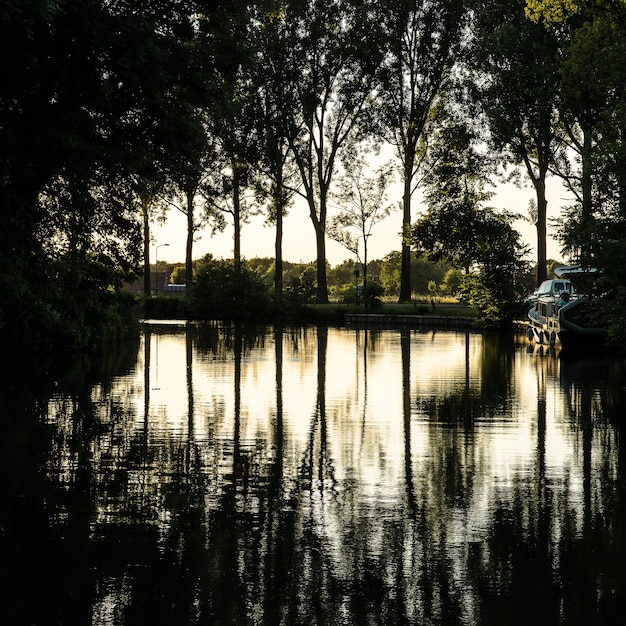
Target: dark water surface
x,y
217,475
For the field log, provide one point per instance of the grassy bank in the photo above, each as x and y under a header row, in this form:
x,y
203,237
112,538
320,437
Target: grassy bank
x,y
165,307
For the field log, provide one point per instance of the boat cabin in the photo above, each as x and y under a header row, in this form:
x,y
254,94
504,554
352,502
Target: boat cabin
x,y
554,287
547,307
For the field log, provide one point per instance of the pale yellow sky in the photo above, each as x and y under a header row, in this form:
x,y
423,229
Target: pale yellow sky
x,y
257,239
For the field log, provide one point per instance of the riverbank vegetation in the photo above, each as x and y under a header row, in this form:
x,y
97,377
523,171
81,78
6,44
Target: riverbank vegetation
x,y
113,113
220,291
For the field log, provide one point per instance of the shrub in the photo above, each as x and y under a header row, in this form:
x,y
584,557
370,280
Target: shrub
x,y
224,291
165,307
373,294
301,290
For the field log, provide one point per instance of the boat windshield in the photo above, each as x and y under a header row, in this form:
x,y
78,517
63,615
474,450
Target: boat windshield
x,y
554,287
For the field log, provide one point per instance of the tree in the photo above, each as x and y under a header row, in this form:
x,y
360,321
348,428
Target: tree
x,y
594,83
423,37
422,272
224,291
207,51
460,230
592,80
235,127
191,159
74,97
275,184
551,12
235,122
362,202
332,64
495,258
515,67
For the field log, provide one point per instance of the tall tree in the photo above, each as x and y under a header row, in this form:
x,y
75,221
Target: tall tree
x,y
332,64
456,190
275,184
362,202
204,62
594,79
582,99
516,82
236,127
190,158
73,97
422,39
459,228
593,90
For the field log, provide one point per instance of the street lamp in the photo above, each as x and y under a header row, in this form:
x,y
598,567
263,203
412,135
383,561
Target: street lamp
x,y
156,267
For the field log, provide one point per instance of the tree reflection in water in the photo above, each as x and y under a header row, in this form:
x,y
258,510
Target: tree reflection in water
x,y
314,476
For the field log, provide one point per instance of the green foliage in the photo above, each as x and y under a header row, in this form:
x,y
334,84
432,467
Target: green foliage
x,y
165,308
489,252
494,287
341,274
224,291
451,281
373,294
178,275
422,272
344,293
494,297
302,289
610,313
73,98
515,63
73,313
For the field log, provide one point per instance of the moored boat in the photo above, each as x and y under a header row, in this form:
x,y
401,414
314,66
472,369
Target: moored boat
x,y
553,322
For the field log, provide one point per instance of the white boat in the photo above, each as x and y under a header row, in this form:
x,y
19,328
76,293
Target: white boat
x,y
551,287
550,323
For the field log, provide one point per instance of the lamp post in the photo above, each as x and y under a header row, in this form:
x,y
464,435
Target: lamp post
x,y
156,267
356,282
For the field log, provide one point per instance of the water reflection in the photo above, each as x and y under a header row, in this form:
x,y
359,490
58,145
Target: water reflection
x,y
228,475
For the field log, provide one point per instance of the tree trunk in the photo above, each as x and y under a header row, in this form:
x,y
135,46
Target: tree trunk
x,y
146,249
322,286
236,221
586,217
542,212
365,271
278,245
189,248
319,223
405,272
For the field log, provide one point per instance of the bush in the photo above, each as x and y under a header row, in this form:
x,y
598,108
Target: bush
x,y
165,308
493,296
223,291
373,294
301,290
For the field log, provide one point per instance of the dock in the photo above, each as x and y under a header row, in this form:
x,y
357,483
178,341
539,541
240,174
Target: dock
x,y
378,320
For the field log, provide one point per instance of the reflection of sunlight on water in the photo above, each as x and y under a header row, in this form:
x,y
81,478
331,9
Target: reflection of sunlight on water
x,y
364,430
393,464
363,405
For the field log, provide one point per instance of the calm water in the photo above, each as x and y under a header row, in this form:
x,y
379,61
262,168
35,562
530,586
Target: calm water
x,y
313,476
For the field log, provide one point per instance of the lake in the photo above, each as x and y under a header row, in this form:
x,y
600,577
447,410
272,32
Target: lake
x,y
219,474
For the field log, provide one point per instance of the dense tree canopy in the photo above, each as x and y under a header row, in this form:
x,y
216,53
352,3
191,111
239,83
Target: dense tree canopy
x,y
109,108
423,38
95,97
460,229
593,117
70,92
517,78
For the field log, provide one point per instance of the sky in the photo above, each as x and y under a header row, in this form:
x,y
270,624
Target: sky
x,y
257,239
